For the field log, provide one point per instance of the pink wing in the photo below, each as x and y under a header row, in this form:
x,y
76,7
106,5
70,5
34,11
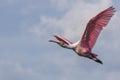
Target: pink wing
x,y
58,37
94,27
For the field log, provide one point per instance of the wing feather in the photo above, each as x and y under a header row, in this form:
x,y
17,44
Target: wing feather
x,y
94,27
60,38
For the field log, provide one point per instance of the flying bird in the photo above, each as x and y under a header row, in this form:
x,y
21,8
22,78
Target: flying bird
x,y
84,46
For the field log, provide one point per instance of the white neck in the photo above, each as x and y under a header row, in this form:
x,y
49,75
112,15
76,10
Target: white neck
x,y
67,46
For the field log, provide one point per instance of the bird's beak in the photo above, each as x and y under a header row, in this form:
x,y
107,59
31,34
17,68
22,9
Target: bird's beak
x,y
60,43
53,41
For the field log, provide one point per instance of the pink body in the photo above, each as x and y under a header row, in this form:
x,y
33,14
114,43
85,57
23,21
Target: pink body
x,y
84,46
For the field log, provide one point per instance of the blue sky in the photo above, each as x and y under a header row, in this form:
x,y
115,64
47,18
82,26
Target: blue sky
x,y
27,25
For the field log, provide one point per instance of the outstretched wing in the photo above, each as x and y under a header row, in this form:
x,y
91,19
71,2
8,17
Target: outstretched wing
x,y
94,27
60,38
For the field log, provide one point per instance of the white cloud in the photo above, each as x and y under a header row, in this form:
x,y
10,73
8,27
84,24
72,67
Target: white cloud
x,y
71,25
73,22
56,64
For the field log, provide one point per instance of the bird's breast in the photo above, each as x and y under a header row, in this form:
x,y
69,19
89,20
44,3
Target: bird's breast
x,y
81,51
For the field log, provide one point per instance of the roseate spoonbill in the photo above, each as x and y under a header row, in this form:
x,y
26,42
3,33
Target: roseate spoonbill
x,y
84,46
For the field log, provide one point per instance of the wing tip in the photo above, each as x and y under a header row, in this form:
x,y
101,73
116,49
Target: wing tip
x,y
57,36
112,8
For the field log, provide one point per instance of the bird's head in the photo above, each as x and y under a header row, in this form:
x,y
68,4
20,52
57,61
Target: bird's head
x,y
62,42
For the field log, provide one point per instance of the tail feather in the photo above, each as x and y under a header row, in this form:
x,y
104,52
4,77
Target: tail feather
x,y
98,61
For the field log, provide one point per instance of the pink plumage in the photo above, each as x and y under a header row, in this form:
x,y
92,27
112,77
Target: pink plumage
x,y
84,46
94,27
60,38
